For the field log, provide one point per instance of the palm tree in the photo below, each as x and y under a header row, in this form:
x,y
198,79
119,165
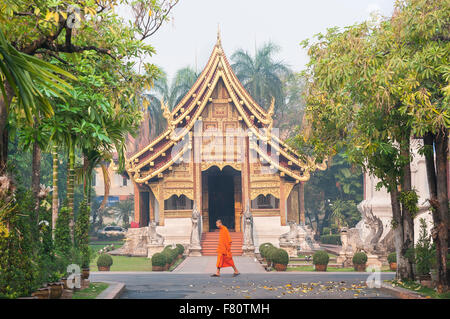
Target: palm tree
x,y
261,75
25,77
171,93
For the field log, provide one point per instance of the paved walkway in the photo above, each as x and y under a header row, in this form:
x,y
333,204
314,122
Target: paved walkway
x,y
169,285
207,265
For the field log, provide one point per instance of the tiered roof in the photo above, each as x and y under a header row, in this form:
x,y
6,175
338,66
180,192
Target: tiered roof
x,y
156,157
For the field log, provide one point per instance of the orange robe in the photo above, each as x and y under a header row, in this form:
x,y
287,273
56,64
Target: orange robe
x,y
224,258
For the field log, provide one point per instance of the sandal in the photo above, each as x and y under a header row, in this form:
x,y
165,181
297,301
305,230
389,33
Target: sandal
x,y
214,275
234,275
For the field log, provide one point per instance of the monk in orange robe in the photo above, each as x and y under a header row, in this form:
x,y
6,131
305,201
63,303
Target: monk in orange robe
x,y
224,258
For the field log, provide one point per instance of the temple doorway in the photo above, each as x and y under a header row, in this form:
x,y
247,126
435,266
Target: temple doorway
x,y
221,197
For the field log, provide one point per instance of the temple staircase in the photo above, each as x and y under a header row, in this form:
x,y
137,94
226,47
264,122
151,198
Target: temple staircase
x,y
210,241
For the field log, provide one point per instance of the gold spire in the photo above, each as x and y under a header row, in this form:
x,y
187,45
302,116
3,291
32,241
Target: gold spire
x,y
219,43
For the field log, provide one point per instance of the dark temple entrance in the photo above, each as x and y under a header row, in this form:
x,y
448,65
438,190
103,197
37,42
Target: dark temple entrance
x,y
221,199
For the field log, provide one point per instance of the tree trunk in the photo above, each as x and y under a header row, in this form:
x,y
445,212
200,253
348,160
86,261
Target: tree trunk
x,y
55,199
36,178
4,137
71,184
407,217
440,230
398,233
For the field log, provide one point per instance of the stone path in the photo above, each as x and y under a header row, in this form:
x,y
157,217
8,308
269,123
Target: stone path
x,y
274,285
207,265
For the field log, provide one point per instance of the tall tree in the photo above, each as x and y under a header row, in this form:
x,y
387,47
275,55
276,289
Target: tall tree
x,y
261,74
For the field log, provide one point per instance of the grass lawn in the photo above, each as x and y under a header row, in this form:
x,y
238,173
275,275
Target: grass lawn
x,y
97,245
416,287
124,263
91,292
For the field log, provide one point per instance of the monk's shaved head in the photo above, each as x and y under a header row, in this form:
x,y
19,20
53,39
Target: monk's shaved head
x,y
218,222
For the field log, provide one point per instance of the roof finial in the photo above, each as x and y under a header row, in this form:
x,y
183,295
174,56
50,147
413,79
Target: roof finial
x,y
218,34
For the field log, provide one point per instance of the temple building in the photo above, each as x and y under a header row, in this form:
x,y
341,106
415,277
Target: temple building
x,y
221,153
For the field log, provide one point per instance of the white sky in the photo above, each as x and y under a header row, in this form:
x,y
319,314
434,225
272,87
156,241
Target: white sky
x,y
189,38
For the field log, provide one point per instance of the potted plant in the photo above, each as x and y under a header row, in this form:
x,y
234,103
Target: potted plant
x,y
168,259
320,260
280,259
392,260
42,293
359,261
269,252
262,250
104,262
424,255
159,262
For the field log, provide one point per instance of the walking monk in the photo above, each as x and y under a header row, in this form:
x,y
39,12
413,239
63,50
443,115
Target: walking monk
x,y
224,258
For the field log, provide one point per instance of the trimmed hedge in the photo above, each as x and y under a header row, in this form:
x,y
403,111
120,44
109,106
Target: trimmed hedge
x,y
359,258
263,247
280,256
331,239
269,253
104,260
159,259
320,258
180,249
392,258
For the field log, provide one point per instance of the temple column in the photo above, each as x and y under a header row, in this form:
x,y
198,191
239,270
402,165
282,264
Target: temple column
x,y
136,203
282,202
301,202
151,202
245,180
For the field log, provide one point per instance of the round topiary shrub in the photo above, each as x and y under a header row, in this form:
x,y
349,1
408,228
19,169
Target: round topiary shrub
x,y
392,258
180,249
159,259
269,254
359,258
104,260
320,258
263,247
280,256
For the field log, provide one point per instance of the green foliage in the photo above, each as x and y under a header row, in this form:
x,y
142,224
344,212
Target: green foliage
x,y
269,253
409,199
180,249
63,240
280,256
104,260
331,239
359,258
159,259
81,233
261,75
18,270
392,257
263,247
425,252
320,257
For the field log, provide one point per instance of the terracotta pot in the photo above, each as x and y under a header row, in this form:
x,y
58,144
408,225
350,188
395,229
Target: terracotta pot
x,y
85,273
280,267
42,293
393,266
64,282
56,289
103,268
180,256
360,267
320,267
158,268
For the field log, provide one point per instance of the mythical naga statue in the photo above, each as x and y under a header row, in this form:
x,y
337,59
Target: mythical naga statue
x,y
291,237
195,231
367,233
153,237
248,229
